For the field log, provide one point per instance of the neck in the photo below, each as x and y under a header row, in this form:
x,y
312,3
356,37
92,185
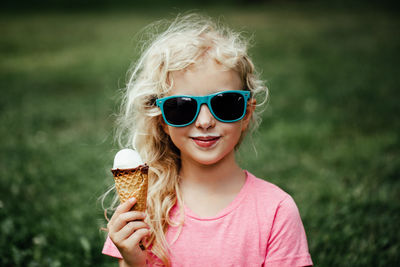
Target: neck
x,y
223,176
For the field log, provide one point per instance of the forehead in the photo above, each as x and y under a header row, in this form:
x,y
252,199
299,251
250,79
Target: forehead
x,y
204,77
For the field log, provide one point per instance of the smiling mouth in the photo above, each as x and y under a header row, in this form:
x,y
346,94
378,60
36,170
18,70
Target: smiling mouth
x,y
206,141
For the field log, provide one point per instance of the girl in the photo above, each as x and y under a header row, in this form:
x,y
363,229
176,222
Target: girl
x,y
189,102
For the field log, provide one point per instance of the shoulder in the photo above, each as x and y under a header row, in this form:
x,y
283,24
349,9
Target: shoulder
x,y
282,227
269,199
265,190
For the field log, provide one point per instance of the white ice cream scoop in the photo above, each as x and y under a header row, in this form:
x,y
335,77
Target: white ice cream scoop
x,y
127,159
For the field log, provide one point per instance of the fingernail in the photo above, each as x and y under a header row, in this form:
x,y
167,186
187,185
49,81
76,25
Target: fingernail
x,y
131,200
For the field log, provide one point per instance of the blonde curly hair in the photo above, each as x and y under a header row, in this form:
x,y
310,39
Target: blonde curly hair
x,y
139,124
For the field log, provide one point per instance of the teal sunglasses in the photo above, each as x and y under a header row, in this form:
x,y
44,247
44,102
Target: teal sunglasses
x,y
182,110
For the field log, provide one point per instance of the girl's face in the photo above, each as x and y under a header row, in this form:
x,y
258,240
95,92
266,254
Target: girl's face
x,y
207,141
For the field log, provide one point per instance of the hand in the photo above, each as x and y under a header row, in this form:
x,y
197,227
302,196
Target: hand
x,y
126,229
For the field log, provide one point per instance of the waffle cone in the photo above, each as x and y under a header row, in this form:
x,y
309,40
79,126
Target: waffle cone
x,y
132,183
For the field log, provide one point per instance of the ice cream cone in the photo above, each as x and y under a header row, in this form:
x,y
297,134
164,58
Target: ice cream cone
x,y
132,183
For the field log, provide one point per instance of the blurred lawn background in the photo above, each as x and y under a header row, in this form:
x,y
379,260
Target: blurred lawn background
x,y
330,132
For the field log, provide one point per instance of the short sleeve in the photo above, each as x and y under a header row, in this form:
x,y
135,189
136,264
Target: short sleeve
x,y
287,244
110,249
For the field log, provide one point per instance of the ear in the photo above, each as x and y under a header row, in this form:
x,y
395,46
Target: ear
x,y
251,106
164,126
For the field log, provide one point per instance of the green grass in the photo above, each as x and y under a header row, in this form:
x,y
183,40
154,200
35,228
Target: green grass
x,y
329,135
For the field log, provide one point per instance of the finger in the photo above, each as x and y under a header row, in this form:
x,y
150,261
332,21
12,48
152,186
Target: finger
x,y
134,239
123,207
132,216
125,218
126,206
129,229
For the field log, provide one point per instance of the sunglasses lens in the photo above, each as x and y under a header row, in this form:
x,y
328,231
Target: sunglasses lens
x,y
180,110
228,106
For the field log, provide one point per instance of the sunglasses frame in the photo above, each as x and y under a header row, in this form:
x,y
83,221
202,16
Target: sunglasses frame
x,y
200,100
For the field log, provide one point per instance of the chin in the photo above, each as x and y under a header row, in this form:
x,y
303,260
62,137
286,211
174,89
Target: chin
x,y
208,161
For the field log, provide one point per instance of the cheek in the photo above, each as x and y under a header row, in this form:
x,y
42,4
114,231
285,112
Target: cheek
x,y
234,130
176,134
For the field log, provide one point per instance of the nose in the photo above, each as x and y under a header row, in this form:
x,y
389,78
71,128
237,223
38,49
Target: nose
x,y
205,119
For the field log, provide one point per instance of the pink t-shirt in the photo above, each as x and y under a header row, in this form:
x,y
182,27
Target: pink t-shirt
x,y
261,227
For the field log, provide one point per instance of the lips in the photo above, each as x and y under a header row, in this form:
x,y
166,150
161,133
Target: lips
x,y
205,141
